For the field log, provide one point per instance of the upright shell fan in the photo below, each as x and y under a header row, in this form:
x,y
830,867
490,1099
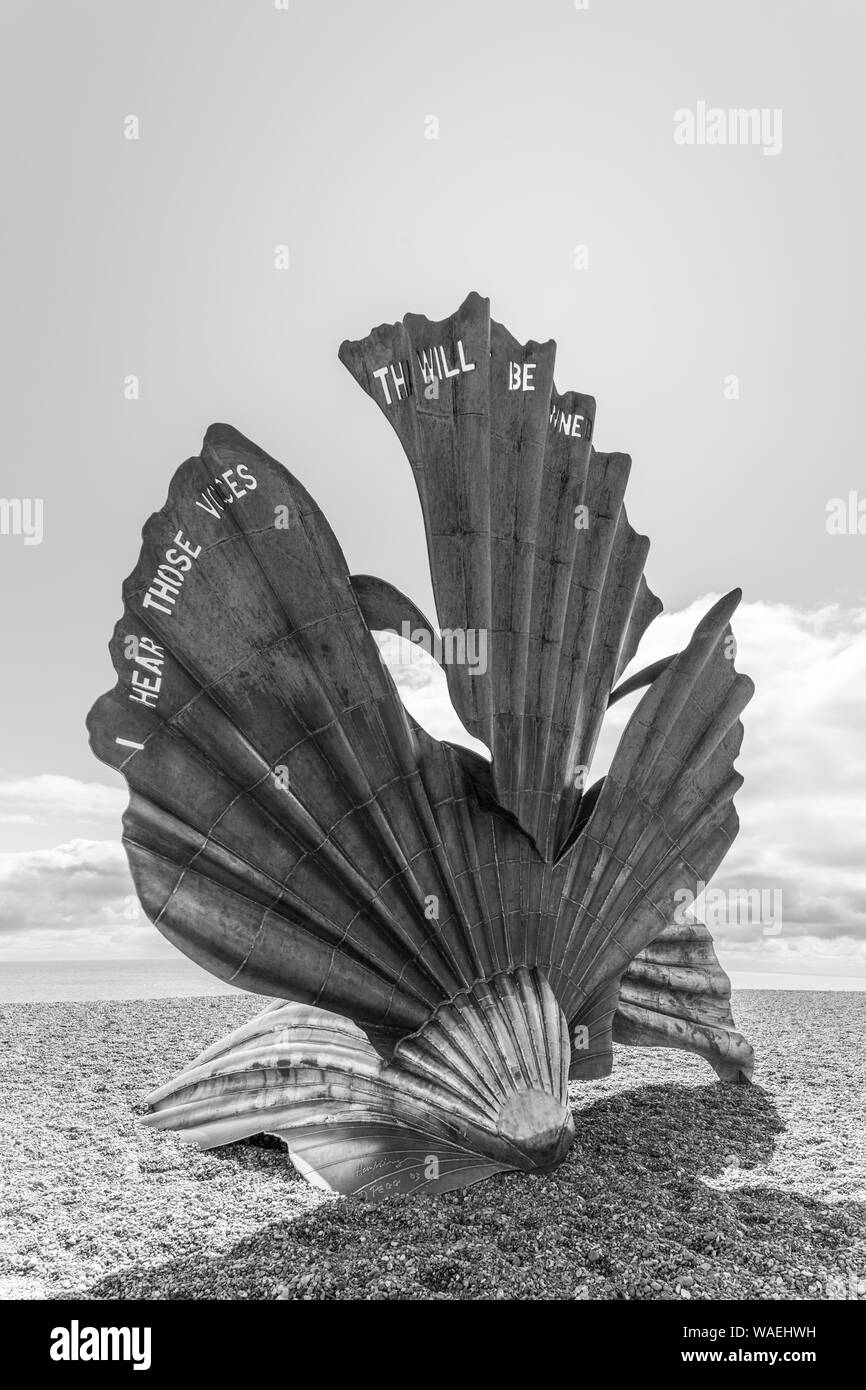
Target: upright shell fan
x,y
447,939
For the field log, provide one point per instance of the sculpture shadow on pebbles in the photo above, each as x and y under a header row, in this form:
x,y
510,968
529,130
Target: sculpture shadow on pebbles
x,y
653,1202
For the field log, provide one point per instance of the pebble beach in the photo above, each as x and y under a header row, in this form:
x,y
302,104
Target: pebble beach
x,y
676,1187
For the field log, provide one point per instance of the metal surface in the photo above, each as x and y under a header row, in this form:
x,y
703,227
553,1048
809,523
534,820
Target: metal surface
x,y
480,1088
478,929
502,463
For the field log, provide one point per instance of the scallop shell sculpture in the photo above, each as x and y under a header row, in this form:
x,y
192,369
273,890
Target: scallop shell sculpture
x,y
447,939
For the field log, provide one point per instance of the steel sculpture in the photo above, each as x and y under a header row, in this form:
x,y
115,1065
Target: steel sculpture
x,y
448,939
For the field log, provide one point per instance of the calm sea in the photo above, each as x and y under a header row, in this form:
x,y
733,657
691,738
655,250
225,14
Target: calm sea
x,y
23,981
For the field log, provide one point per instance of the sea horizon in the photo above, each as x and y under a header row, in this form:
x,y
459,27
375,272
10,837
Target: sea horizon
x,y
77,980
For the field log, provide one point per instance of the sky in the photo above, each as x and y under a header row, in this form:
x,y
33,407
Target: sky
x,y
710,296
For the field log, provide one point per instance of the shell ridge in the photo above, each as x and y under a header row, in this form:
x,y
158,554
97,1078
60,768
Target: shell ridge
x,y
659,830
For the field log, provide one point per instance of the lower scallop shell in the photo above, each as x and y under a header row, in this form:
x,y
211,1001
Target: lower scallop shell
x,y
481,1088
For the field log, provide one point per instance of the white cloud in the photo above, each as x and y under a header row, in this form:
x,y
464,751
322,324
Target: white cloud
x,y
802,807
49,796
424,690
77,893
